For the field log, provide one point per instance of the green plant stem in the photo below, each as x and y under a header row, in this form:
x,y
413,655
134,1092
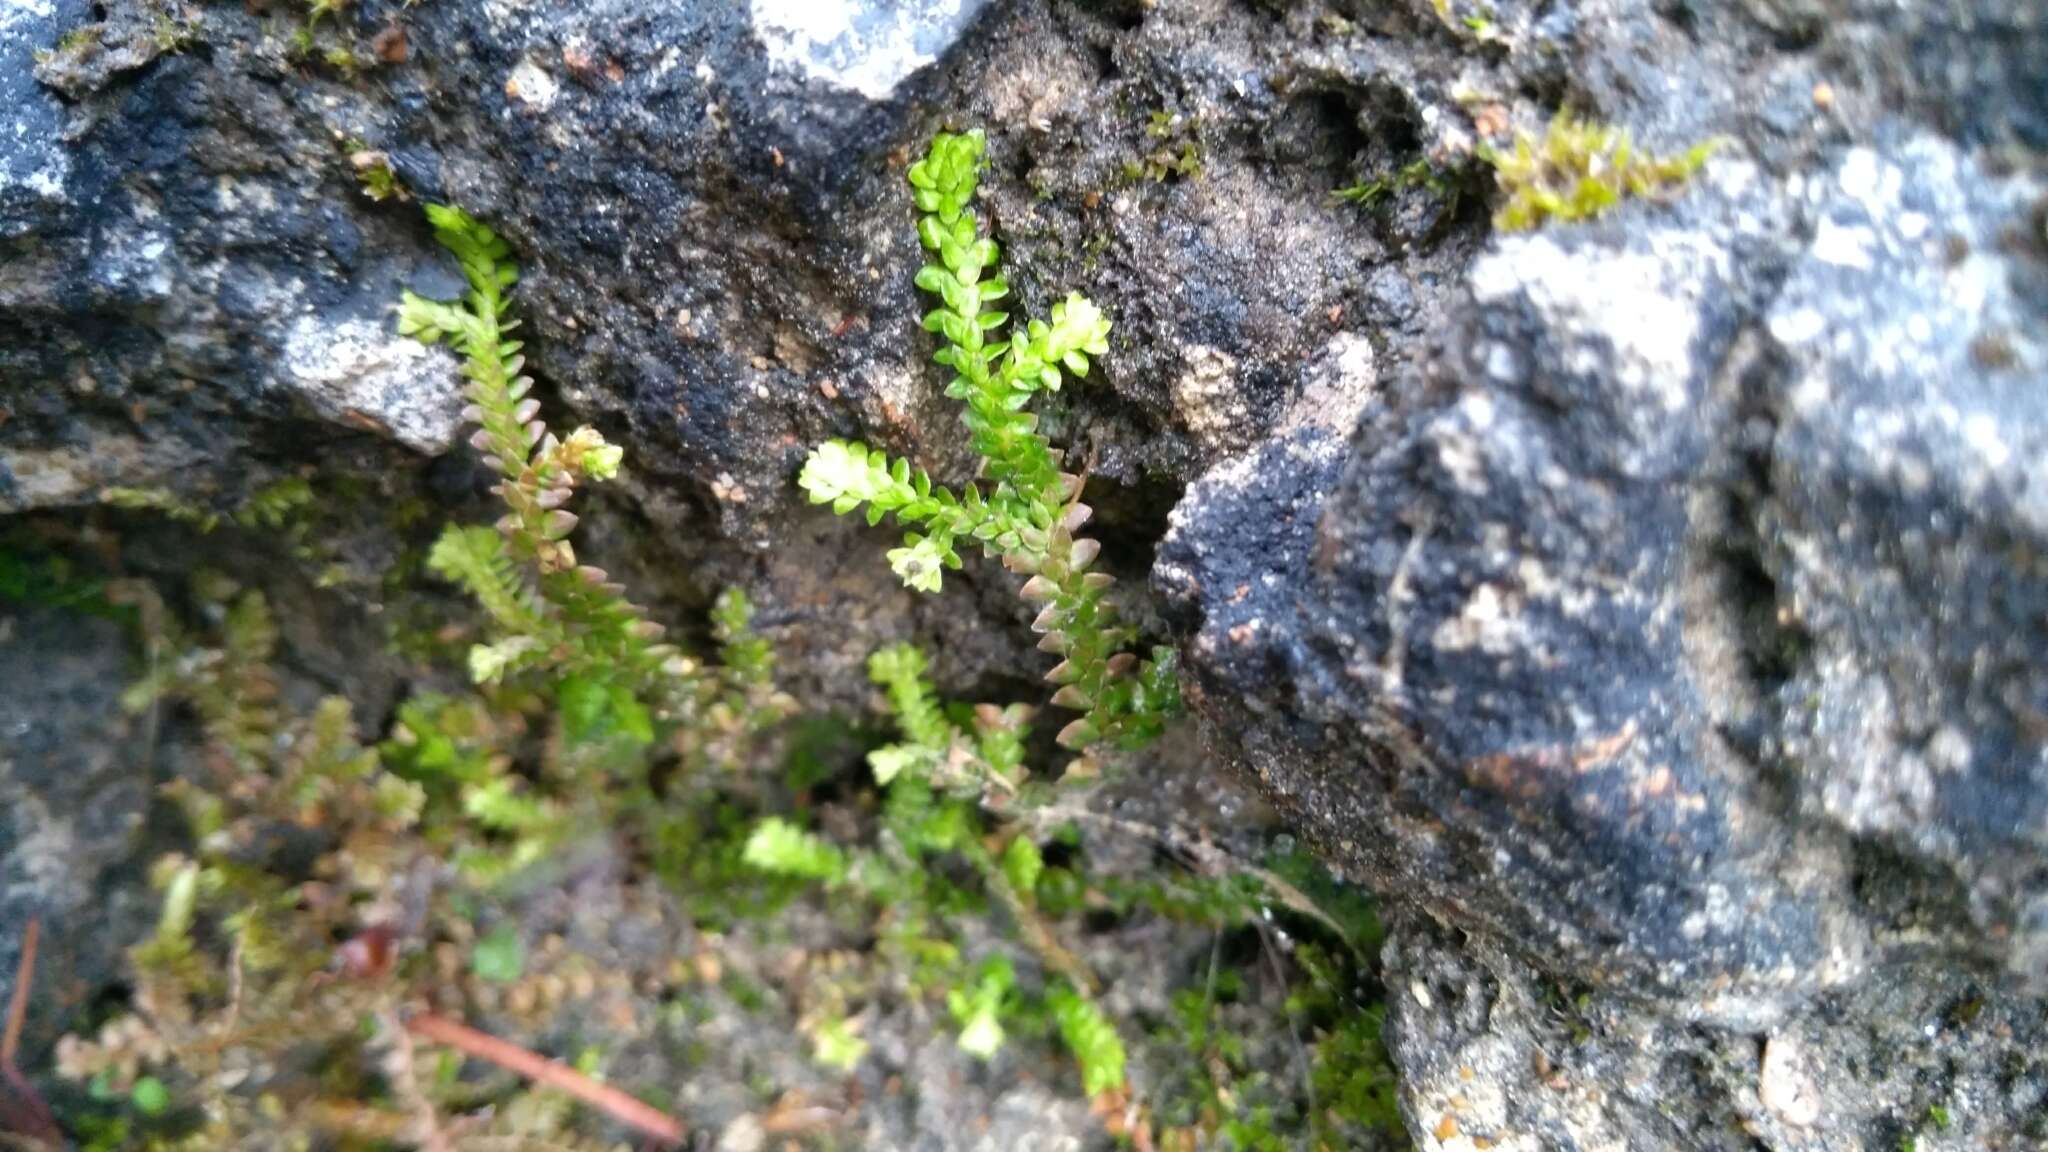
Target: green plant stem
x,y
1036,933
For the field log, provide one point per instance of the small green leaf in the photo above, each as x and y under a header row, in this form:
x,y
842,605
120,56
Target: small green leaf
x,y
779,847
584,703
487,662
500,957
1023,864
629,717
922,564
836,1045
889,762
1091,1038
979,1011
181,896
149,1096
983,1035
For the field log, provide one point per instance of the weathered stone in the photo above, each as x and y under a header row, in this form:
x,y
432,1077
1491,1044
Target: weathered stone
x,y
869,46
33,165
1909,522
74,787
1672,633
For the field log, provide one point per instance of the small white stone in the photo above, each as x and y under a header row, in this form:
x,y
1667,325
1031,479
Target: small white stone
x,y
359,374
1783,1086
869,46
531,85
1797,326
1858,175
1844,247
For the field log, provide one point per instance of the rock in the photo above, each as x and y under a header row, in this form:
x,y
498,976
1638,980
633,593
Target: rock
x,y
1524,1060
1910,525
360,374
122,40
74,788
1669,635
709,209
869,46
1649,608
1783,1086
33,166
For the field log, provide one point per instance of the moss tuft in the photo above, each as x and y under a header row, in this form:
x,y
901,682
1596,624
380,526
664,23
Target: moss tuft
x,y
1579,169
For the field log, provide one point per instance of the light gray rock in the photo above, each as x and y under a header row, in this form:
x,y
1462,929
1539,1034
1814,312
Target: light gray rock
x,y
1910,521
869,46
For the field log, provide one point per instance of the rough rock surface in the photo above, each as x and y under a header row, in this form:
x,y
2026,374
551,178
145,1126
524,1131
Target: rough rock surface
x,y
708,201
72,799
1653,608
1670,634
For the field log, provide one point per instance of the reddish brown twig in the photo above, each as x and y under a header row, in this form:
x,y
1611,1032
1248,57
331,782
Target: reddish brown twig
x,y
26,1115
643,1118
17,1004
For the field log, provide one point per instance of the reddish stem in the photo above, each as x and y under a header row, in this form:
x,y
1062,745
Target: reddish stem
x,y
633,1113
27,1115
17,1005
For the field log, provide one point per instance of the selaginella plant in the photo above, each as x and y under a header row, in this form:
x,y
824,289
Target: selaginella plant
x,y
1031,513
568,623
329,881
261,964
934,781
1027,509
942,780
1579,169
290,934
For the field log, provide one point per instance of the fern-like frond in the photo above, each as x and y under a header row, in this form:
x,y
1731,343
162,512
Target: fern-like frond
x,y
1032,513
781,848
548,611
899,670
476,559
1091,1038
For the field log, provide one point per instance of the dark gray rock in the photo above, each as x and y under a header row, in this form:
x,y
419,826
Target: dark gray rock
x,y
74,787
1669,640
1909,523
33,164
1512,1054
709,206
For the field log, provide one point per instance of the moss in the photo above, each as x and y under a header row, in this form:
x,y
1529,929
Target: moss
x,y
83,38
1478,24
1173,150
32,574
173,33
1579,170
1417,173
374,173
289,510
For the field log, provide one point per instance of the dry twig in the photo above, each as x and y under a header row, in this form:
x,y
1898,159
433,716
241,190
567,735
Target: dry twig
x,y
17,1004
634,1114
25,1113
